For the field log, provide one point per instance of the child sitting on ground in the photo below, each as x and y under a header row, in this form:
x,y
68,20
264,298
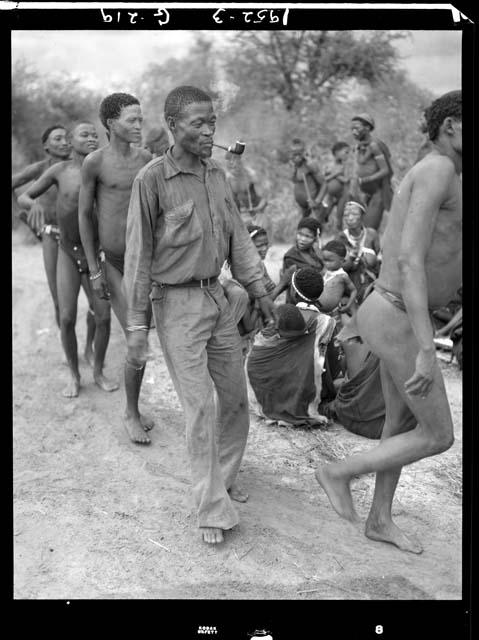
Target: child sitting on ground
x,y
362,243
339,292
304,253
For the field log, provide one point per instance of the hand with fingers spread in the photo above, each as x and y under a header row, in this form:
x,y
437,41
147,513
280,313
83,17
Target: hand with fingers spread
x,y
420,383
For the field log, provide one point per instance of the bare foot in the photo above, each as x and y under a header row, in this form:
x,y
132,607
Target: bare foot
x,y
212,535
135,430
338,491
390,532
72,389
146,422
89,356
236,493
104,383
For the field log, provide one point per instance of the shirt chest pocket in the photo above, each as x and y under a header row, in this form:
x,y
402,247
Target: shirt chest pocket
x,y
181,225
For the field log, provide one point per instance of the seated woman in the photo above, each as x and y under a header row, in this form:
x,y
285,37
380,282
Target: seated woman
x,y
285,365
363,251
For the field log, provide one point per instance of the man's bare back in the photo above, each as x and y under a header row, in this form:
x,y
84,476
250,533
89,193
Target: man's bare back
x,y
444,257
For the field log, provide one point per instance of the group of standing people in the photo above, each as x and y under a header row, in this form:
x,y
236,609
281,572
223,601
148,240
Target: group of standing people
x,y
150,235
317,192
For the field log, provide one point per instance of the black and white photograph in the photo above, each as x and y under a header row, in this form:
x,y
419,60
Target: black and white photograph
x,y
236,309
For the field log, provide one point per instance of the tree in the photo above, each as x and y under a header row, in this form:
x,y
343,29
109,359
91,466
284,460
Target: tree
x,y
197,68
300,66
39,101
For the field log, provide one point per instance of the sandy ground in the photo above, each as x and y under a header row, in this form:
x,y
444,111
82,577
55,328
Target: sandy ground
x,y
96,516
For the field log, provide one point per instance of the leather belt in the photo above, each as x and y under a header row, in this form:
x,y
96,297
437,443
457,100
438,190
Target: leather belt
x,y
203,284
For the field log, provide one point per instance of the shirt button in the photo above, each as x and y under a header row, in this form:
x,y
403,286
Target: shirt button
x,y
75,248
78,261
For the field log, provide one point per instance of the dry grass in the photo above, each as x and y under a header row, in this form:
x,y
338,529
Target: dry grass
x,y
450,470
329,446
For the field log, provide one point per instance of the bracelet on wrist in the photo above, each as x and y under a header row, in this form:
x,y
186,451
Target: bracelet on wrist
x,y
137,327
95,276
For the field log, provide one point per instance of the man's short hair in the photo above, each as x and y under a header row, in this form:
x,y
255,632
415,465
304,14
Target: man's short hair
x,y
112,105
181,97
365,118
309,223
309,282
337,247
338,146
48,131
448,105
78,123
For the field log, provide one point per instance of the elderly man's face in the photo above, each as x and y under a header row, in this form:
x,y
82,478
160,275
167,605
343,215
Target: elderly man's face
x,y
193,130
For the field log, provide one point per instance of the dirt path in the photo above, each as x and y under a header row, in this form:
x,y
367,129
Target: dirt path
x,y
92,509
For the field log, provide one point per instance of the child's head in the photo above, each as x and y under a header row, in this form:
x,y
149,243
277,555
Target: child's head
x,y
306,284
333,254
260,238
340,150
307,231
297,150
290,321
353,214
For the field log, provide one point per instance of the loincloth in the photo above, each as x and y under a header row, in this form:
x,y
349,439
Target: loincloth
x,y
51,230
76,254
394,298
115,261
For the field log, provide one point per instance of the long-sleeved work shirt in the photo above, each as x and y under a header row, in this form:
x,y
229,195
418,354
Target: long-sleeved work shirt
x,y
183,227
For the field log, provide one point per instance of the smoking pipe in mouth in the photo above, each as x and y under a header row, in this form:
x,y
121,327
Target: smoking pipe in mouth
x,y
237,148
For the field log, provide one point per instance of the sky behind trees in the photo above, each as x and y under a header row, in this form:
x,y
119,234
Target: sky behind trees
x,y
109,60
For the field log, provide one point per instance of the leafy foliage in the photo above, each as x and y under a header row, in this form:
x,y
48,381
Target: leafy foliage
x,y
38,102
302,66
268,87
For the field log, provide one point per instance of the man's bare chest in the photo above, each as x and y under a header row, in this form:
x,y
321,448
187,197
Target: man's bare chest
x,y
69,187
364,155
119,176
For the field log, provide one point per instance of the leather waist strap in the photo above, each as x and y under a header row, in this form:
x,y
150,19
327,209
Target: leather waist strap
x,y
203,284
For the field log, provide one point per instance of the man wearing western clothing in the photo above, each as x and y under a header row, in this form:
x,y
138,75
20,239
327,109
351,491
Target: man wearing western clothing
x,y
182,225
